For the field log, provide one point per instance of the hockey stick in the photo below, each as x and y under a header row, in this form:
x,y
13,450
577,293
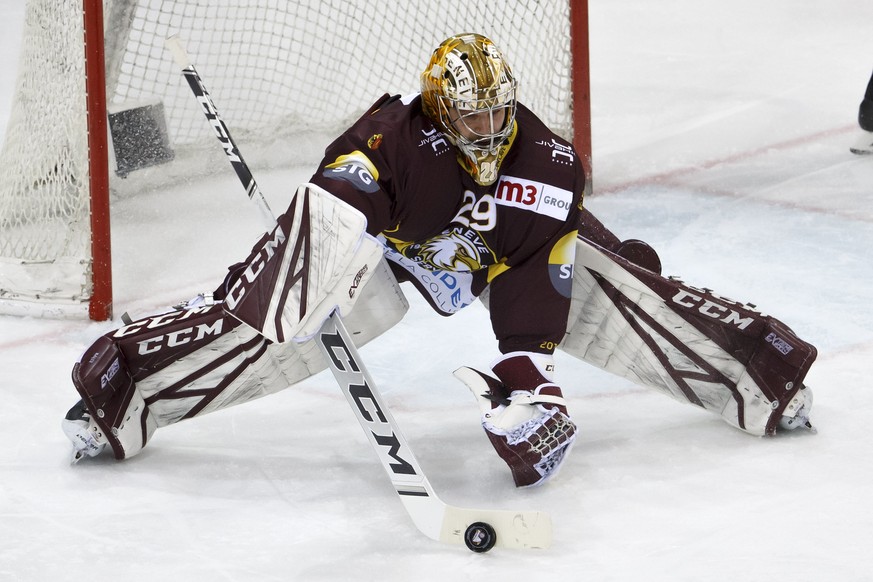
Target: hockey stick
x,y
180,55
479,529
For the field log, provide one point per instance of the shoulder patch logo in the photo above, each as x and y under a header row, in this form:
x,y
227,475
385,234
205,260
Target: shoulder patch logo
x,y
355,168
534,196
375,141
561,154
436,141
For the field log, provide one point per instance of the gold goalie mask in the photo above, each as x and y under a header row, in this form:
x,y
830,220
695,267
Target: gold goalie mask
x,y
469,92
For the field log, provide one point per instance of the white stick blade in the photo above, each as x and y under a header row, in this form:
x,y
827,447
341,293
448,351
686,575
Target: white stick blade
x,y
527,530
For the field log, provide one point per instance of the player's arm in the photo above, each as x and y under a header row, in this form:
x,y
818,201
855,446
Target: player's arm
x,y
524,413
353,177
358,170
322,248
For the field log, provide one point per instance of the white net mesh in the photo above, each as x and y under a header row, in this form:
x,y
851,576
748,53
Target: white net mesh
x,y
278,70
44,233
315,64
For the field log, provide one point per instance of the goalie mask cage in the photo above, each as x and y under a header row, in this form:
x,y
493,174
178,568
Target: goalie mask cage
x,y
278,69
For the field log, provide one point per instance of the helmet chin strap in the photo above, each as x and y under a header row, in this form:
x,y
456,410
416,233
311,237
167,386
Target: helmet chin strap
x,y
484,165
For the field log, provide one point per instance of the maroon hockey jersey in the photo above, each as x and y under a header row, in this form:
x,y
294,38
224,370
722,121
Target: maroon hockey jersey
x,y
516,235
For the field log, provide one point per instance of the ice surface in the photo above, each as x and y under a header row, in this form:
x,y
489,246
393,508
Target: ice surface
x,y
721,134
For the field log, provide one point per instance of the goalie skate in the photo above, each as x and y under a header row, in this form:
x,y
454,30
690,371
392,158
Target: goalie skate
x,y
863,146
797,412
86,436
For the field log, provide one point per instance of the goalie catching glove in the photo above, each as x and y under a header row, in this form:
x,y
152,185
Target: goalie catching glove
x,y
524,415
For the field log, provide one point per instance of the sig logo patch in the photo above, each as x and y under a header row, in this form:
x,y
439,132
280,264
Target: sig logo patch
x,y
561,260
355,168
534,196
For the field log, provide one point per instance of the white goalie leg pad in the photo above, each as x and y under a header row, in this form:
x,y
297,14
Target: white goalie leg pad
x,y
343,297
314,261
601,335
753,414
136,426
688,343
241,366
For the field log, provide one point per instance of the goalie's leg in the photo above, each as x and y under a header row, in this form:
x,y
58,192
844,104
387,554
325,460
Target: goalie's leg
x,y
189,362
688,343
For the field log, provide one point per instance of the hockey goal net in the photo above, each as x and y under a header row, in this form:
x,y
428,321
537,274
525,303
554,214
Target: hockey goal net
x,y
279,69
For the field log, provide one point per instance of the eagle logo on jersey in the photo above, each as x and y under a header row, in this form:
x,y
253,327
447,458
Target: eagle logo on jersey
x,y
460,247
450,252
458,250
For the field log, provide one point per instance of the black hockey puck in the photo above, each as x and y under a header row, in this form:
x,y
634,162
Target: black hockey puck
x,y
480,537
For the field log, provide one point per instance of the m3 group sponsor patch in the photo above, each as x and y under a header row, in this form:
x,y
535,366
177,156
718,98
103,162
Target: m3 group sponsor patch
x,y
534,196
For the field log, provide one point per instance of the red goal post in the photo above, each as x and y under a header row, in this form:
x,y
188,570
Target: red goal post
x,y
289,71
581,83
100,301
